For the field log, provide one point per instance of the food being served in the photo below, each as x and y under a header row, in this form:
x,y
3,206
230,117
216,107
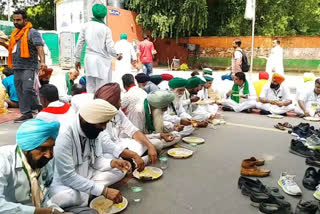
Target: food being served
x,y
102,205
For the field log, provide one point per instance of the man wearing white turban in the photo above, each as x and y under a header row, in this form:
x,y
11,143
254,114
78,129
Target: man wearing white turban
x,y
26,170
80,168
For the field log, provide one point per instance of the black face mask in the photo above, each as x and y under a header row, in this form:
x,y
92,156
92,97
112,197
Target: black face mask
x,y
90,130
274,86
36,164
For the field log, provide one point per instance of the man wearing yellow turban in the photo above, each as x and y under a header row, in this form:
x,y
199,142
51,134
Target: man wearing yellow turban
x,y
81,169
99,50
275,98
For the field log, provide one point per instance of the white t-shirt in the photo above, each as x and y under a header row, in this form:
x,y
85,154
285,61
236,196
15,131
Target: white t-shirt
x,y
281,94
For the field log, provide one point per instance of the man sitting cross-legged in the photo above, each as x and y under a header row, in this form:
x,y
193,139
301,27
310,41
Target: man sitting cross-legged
x,y
242,96
275,98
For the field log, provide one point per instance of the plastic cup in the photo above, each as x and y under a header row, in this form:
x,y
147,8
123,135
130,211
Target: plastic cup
x,y
136,193
163,162
194,147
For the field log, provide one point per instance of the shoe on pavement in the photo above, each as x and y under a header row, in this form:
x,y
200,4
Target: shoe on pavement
x,y
313,142
310,179
306,207
298,148
313,162
288,184
250,162
255,172
23,118
275,208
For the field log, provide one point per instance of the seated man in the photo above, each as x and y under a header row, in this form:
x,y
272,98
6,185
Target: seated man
x,y
83,81
8,83
53,109
80,168
121,131
242,97
175,118
309,102
204,95
132,101
263,79
275,98
190,98
64,85
79,96
44,76
145,83
155,105
26,170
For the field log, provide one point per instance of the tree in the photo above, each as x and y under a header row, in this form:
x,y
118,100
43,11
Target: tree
x,y
167,18
42,15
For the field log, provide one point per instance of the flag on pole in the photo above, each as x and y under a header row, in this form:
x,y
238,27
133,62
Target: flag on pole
x,y
250,10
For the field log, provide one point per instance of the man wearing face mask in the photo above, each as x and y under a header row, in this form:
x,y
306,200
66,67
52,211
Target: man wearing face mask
x,y
176,118
26,170
80,168
275,98
122,131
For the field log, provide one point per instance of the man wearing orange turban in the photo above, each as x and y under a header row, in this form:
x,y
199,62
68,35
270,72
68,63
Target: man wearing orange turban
x,y
275,98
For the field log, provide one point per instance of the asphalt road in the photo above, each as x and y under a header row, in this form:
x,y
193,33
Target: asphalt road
x,y
207,182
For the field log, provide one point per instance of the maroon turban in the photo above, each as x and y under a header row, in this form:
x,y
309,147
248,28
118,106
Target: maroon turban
x,y
109,92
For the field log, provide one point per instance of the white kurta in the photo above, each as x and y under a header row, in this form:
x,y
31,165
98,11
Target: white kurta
x,y
311,101
15,192
243,104
63,118
133,103
275,61
60,82
99,53
282,94
212,108
79,100
192,108
123,66
80,168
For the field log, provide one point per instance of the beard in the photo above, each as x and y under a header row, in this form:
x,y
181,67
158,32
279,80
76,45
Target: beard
x,y
274,86
36,164
90,130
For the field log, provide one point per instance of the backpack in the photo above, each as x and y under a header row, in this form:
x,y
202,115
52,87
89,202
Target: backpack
x,y
245,66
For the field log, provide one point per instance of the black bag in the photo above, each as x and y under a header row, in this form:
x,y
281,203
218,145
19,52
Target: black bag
x,y
245,66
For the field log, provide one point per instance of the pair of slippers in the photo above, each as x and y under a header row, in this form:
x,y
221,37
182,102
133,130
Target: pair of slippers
x,y
283,126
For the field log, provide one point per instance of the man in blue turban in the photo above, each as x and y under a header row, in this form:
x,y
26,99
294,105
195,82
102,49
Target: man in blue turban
x,y
99,50
26,170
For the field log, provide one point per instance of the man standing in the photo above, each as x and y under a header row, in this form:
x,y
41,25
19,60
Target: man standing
x,y
236,57
309,102
275,98
129,57
242,96
275,59
99,52
146,54
24,47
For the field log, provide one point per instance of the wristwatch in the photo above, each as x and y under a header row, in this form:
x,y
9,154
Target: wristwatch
x,y
52,210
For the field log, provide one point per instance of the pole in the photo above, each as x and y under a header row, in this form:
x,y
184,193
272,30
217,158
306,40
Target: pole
x,y
252,39
9,6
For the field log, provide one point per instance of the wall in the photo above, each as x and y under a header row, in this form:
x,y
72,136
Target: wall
x,y
125,22
301,53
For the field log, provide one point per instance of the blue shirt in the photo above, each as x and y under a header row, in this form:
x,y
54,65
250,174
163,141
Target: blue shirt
x,y
8,83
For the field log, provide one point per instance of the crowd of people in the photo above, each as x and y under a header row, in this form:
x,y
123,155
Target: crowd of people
x,y
88,135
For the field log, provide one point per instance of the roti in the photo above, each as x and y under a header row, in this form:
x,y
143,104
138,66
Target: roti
x,y
102,205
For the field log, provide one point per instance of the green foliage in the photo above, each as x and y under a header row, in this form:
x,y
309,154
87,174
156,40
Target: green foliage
x,y
167,18
273,18
42,15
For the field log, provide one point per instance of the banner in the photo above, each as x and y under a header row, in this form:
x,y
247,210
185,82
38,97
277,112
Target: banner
x,y
250,9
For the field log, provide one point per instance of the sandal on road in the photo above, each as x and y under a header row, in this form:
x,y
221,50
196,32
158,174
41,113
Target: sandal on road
x,y
287,125
279,126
